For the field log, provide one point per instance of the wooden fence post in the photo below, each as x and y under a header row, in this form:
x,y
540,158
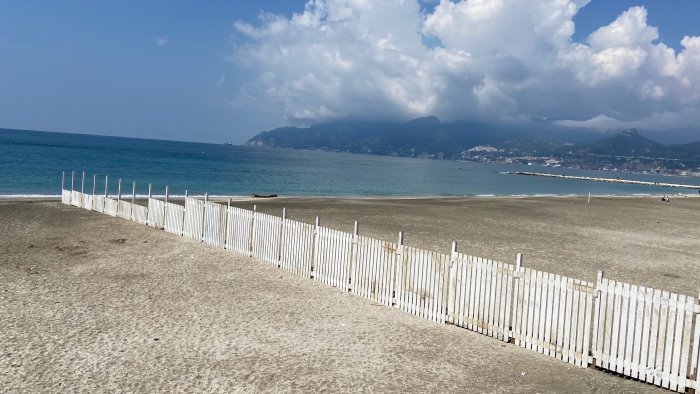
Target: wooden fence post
x,y
518,284
72,182
165,206
106,184
204,216
695,355
596,316
63,180
398,264
251,239
94,190
314,258
351,274
82,184
148,211
280,241
133,199
452,285
228,209
119,196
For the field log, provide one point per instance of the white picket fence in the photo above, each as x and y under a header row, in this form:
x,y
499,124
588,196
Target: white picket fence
x,y
267,232
482,295
124,210
111,206
553,315
332,257
98,203
174,218
374,266
66,196
139,214
239,236
646,334
297,251
156,213
194,218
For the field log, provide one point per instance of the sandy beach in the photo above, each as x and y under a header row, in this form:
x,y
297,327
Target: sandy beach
x,y
92,303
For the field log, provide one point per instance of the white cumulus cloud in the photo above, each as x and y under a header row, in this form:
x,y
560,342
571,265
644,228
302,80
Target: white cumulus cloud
x,y
489,60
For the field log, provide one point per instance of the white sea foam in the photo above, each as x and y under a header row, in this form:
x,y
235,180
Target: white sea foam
x,y
17,196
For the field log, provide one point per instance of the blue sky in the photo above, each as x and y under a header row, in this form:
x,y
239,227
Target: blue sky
x,y
216,71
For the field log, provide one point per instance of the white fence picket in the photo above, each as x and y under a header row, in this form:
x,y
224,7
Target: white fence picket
x,y
174,217
124,211
76,198
297,247
139,214
645,333
694,370
421,282
214,231
194,218
65,196
553,315
373,269
110,206
481,295
239,230
266,238
98,203
333,257
156,213
87,201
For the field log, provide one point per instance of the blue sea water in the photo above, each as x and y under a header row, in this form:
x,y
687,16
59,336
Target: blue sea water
x,y
32,163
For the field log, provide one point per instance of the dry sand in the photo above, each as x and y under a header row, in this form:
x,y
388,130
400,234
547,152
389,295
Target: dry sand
x,y
93,303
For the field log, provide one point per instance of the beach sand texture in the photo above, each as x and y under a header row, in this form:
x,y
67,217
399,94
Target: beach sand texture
x,y
93,303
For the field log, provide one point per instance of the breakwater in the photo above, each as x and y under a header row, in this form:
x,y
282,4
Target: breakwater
x,y
608,180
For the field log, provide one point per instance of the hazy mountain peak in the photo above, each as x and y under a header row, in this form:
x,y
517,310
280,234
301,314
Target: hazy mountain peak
x,y
426,121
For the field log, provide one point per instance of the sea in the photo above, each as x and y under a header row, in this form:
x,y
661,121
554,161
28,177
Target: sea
x,y
32,164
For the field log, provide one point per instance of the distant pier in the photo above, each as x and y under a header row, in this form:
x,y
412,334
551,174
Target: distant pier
x,y
609,180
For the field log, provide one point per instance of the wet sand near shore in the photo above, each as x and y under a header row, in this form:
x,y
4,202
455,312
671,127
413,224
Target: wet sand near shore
x,y
92,303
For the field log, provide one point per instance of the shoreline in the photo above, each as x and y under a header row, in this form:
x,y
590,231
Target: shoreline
x,y
40,198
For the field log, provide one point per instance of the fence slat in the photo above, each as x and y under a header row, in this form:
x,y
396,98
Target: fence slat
x,y
156,213
653,330
110,206
139,214
174,216
194,219
297,247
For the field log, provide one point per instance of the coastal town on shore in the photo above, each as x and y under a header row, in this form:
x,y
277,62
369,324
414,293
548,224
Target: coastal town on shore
x,y
640,165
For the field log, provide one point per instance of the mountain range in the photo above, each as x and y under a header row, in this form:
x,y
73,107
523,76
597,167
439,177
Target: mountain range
x,y
428,137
